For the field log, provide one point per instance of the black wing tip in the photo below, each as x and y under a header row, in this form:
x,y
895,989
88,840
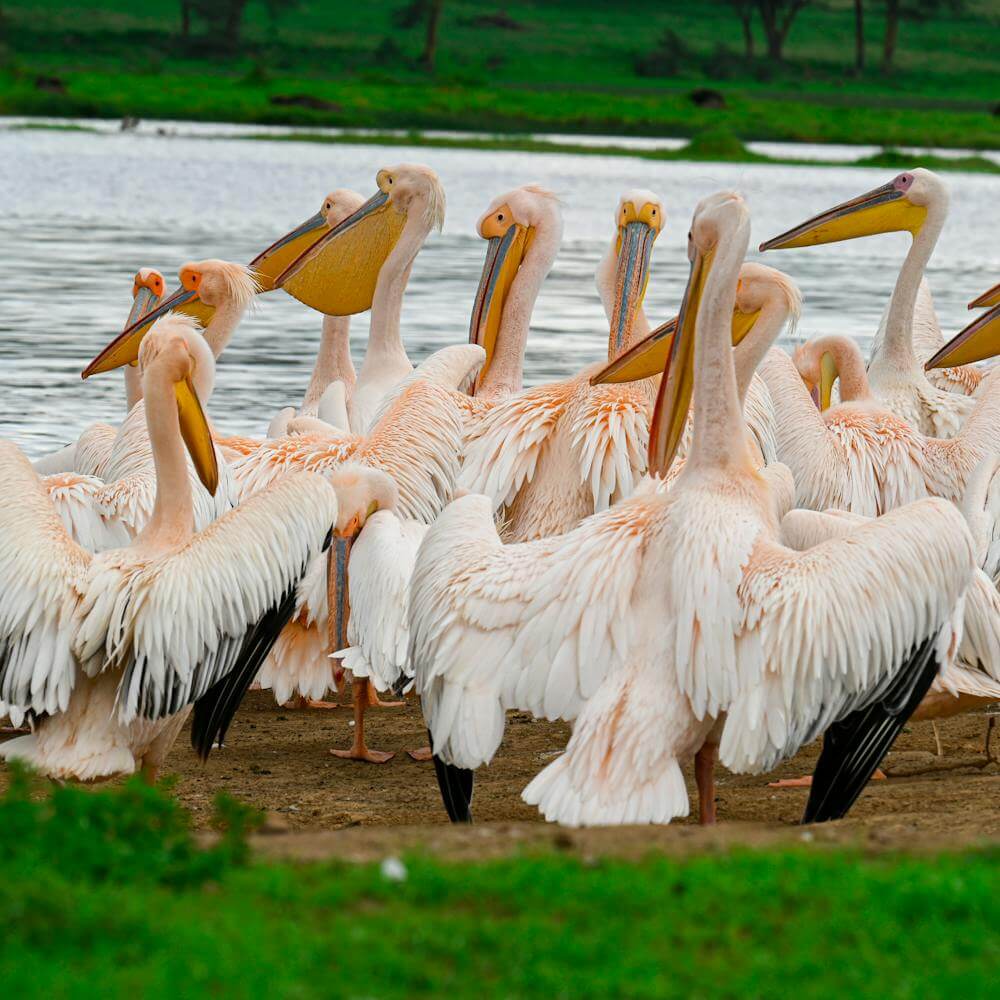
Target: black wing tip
x,y
854,746
456,785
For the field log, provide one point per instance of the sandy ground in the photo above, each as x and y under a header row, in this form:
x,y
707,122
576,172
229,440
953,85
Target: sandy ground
x,y
320,806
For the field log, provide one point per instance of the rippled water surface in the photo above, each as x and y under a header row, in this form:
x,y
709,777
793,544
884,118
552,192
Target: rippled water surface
x,y
80,212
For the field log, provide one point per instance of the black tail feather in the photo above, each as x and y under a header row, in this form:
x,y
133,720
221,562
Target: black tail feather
x,y
456,788
214,710
853,747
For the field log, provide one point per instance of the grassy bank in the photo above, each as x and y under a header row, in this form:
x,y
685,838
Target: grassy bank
x,y
109,888
563,66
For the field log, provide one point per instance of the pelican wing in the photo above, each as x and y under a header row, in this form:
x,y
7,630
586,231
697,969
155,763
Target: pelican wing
x,y
378,629
77,501
418,442
610,435
534,625
41,570
758,412
836,622
502,449
93,449
181,623
280,456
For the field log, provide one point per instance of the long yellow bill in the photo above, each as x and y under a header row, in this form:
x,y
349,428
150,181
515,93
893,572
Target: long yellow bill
x,y
988,298
503,259
649,356
269,265
197,434
337,275
124,349
882,210
144,300
827,376
976,342
635,249
674,398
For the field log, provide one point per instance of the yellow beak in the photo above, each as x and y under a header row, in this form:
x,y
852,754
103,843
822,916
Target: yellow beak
x,y
504,255
977,342
337,274
988,298
827,376
269,264
635,248
124,349
886,209
196,434
674,398
649,356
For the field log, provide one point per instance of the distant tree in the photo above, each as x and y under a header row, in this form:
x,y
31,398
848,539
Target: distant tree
x,y
427,12
777,17
910,10
859,35
224,18
431,38
744,11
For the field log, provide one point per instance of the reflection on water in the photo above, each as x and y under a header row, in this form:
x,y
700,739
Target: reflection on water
x,y
79,213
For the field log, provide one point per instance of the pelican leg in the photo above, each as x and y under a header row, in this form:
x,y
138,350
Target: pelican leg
x,y
422,754
704,775
937,739
991,721
359,750
375,702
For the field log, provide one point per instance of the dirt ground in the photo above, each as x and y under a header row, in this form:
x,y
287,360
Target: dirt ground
x,y
320,806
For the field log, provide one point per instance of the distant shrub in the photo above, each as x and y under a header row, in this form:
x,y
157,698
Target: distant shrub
x,y
723,63
716,143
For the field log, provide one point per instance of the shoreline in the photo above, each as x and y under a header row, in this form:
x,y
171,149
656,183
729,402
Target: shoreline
x,y
709,146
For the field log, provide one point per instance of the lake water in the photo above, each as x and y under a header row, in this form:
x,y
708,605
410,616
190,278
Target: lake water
x,y
80,212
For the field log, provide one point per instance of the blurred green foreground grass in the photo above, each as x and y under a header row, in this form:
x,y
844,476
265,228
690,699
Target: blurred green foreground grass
x,y
107,894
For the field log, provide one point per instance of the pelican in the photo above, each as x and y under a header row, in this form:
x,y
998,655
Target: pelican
x,y
88,455
370,256
991,297
858,455
109,652
656,620
553,454
977,341
523,228
916,202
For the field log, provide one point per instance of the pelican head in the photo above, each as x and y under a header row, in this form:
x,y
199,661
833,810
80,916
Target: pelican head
x,y
759,287
991,297
901,205
360,492
509,226
337,274
639,219
147,290
818,370
337,206
176,352
204,286
722,216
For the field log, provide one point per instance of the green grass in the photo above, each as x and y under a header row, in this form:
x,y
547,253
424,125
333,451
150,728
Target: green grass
x,y
571,67
107,892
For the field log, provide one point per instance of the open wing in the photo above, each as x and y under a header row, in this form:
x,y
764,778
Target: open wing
x,y
836,622
378,629
535,625
76,500
418,442
181,623
41,569
610,438
503,448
